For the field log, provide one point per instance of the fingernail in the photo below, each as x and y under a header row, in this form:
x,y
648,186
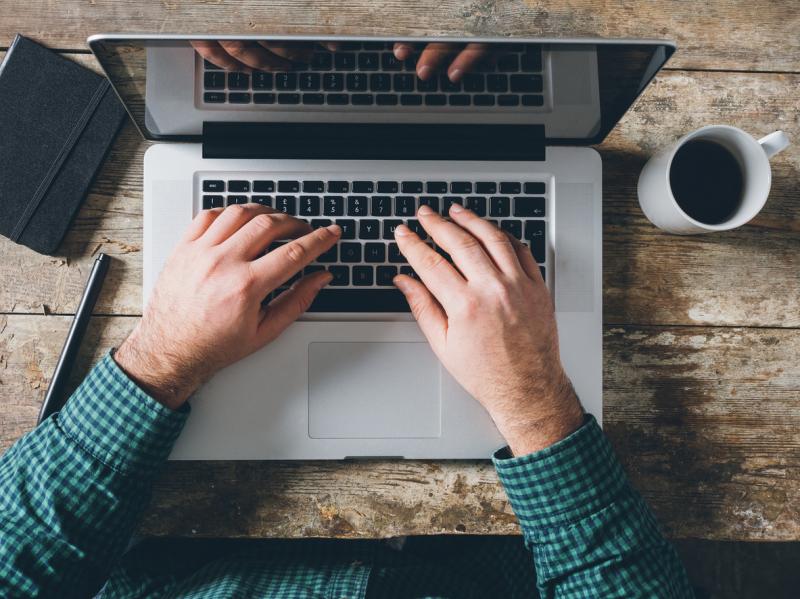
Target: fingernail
x,y
454,207
425,210
401,231
398,282
335,229
424,71
455,75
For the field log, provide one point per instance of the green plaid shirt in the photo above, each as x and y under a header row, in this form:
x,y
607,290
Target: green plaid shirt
x,y
72,490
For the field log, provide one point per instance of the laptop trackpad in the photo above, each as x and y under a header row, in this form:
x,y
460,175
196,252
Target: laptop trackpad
x,y
373,390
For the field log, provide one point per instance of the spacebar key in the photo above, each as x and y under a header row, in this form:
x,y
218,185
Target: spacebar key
x,y
360,300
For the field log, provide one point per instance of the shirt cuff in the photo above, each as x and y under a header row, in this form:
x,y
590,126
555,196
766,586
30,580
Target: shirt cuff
x,y
110,417
563,483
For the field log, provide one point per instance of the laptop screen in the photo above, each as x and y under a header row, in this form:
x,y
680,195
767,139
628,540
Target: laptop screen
x,y
575,90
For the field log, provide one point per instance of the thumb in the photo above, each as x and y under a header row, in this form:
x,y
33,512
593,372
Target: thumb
x,y
290,305
426,310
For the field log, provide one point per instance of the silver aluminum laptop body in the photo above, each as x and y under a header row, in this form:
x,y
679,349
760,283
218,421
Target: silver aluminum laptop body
x,y
366,384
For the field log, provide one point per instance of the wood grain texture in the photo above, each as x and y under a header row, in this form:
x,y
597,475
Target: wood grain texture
x,y
719,34
743,277
704,419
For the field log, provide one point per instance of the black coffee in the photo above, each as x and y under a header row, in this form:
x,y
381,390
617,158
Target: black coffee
x,y
706,181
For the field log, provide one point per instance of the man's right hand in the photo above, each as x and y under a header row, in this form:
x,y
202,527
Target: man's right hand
x,y
490,320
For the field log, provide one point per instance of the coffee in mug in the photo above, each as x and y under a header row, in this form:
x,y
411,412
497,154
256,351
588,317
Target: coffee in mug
x,y
713,179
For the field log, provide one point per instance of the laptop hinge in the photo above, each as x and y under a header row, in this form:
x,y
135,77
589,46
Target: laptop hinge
x,y
362,141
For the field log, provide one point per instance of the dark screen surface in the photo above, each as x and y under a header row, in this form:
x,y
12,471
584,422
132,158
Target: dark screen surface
x,y
574,91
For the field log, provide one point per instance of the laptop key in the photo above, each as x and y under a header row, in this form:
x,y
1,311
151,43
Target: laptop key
x,y
431,201
381,205
477,204
407,270
341,275
460,187
238,81
528,206
344,61
531,100
348,227
264,186
386,99
483,100
362,99
262,80
509,187
357,82
313,186
237,200
330,256
404,205
384,275
387,186
417,228
264,98
262,200
509,62
214,80
436,187
359,300
448,201
213,185
288,98
311,269
410,100
212,201
508,100
512,226
374,252
395,255
459,100
333,82
286,204
362,276
239,186
500,206
448,86
356,205
214,98
486,187
338,186
412,187
369,229
532,59
368,61
535,188
318,223
313,99
337,99
288,186
389,227
429,85
435,99
308,82
309,205
497,83
285,81
210,66
333,205
526,83
363,186
473,82
350,252
403,82
544,273
380,82
238,98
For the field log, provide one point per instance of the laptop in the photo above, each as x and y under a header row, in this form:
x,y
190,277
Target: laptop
x,y
344,130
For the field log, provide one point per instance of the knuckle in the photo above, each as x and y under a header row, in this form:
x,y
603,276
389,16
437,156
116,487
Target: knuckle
x,y
469,306
295,253
236,210
431,261
265,222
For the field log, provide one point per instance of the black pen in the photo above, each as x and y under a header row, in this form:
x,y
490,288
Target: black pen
x,y
55,399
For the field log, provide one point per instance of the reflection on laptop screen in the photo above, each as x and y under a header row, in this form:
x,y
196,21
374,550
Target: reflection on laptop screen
x,y
577,91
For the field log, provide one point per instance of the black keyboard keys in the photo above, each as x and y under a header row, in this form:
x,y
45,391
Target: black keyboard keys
x,y
238,81
510,187
287,204
369,229
288,186
333,82
535,234
340,274
362,276
526,83
213,201
357,205
214,80
512,226
385,275
500,206
333,206
264,186
534,188
404,205
363,186
374,252
528,206
381,205
213,185
431,201
395,255
239,186
338,186
477,204
309,205
350,252
389,227
348,227
417,228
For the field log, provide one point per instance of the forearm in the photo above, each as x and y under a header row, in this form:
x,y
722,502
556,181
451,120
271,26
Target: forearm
x,y
587,528
72,490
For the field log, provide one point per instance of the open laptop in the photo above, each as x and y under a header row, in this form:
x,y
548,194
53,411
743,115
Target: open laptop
x,y
345,131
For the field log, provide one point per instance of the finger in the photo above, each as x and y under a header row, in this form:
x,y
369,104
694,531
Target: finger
x,y
215,54
426,310
256,235
494,241
439,276
433,57
201,223
290,305
231,220
403,50
290,51
525,258
468,60
255,56
282,264
466,251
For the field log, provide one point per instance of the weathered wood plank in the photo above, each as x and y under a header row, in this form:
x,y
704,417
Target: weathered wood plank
x,y
744,277
705,421
719,34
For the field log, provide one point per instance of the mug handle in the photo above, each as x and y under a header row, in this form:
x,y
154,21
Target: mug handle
x,y
774,142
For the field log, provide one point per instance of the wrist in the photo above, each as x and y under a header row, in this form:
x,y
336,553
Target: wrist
x,y
153,373
549,417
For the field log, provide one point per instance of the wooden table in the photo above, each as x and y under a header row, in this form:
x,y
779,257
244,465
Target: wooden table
x,y
701,339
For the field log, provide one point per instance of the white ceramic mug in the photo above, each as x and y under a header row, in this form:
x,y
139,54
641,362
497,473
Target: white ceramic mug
x,y
655,192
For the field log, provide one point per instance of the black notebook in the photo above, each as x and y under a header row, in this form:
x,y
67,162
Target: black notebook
x,y
57,122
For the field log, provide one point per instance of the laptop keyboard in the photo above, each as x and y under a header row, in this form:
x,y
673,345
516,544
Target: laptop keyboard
x,y
368,74
366,259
